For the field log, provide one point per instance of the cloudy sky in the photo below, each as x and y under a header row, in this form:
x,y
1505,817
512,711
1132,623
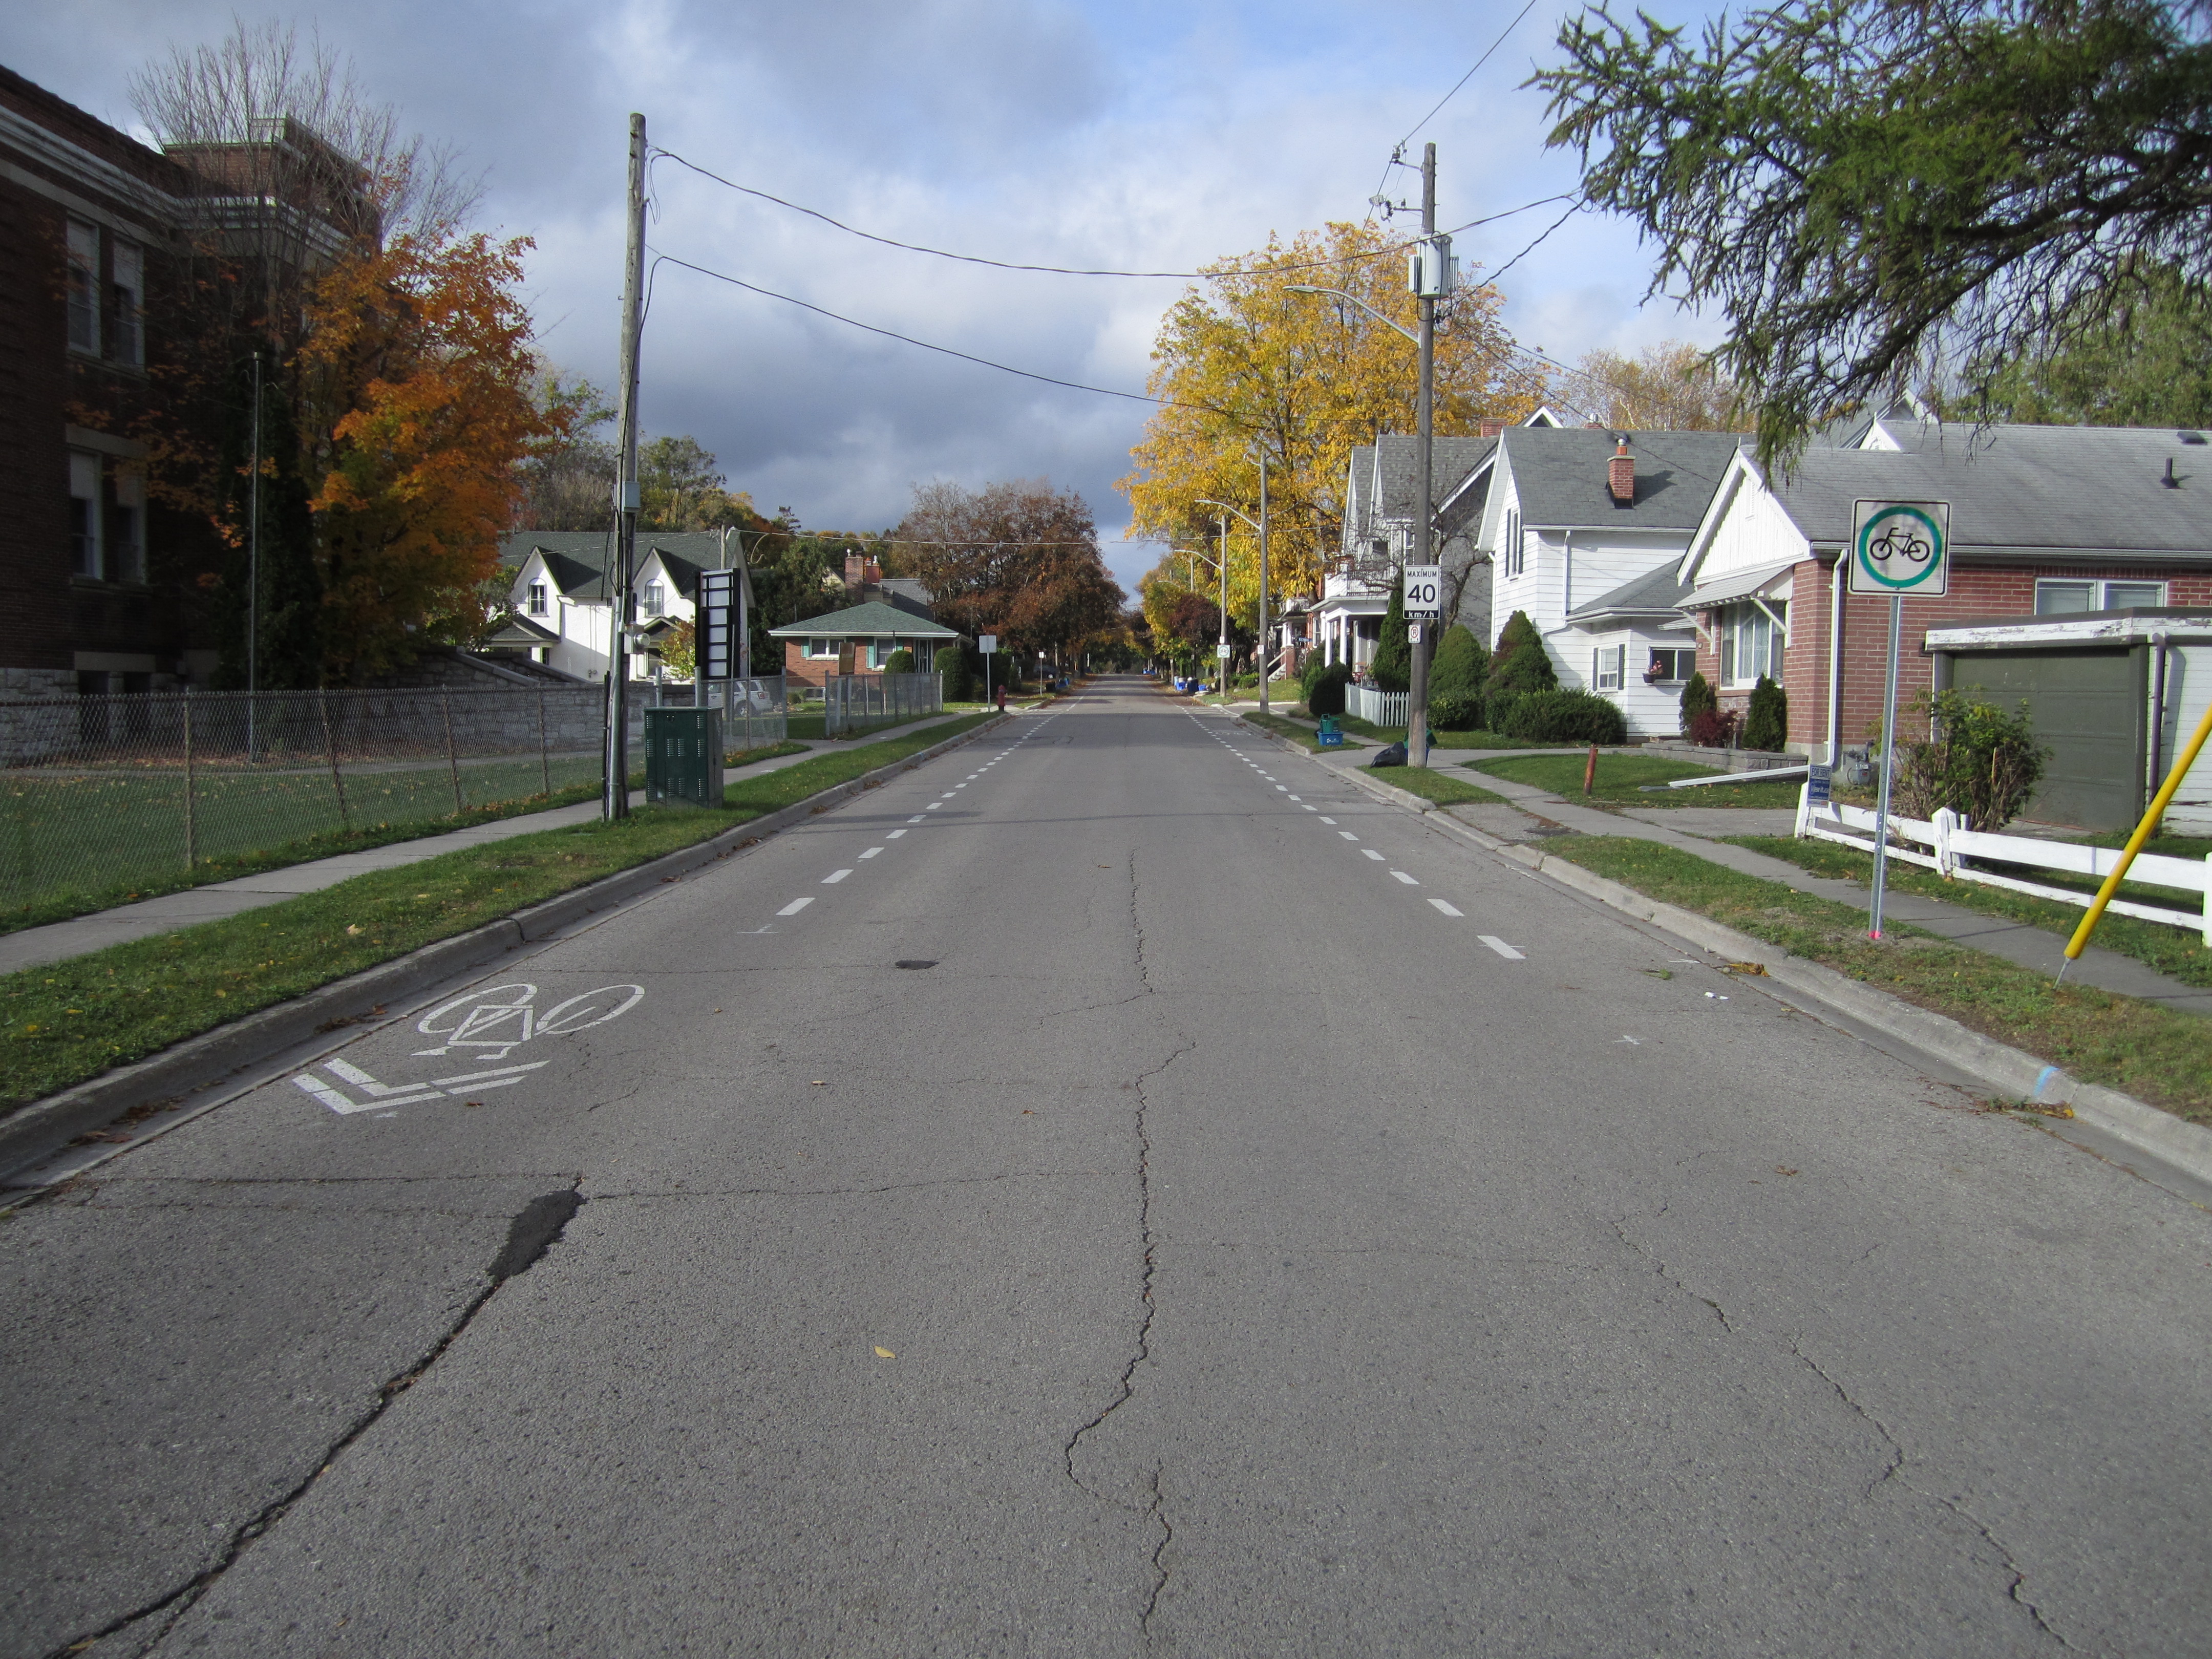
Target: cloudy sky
x,y
1137,134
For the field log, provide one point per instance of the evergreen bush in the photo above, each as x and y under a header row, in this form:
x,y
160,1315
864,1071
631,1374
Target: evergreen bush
x,y
1520,663
1698,697
900,661
1454,711
952,663
1460,666
1326,696
1767,724
1558,717
1393,667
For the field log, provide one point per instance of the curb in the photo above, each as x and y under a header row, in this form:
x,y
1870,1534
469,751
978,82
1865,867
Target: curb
x,y
38,1130
2012,1072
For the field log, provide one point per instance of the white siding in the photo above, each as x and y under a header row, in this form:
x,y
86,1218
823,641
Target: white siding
x,y
1754,531
1652,711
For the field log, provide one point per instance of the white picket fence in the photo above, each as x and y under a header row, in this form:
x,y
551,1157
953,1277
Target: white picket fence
x,y
1947,841
1376,708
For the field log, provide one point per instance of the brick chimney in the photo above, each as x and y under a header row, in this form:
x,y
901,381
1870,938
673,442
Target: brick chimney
x,y
1491,428
1620,474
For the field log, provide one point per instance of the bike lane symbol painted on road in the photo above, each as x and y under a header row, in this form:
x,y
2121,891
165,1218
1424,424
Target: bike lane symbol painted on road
x,y
479,1025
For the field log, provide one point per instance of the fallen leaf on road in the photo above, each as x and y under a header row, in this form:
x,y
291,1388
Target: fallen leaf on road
x,y
885,1353
819,1083
1754,970
1784,1169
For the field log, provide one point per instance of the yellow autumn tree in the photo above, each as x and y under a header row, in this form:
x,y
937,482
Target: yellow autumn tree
x,y
418,358
1242,364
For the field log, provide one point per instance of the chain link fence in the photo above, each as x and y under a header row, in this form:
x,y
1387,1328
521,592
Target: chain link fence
x,y
856,702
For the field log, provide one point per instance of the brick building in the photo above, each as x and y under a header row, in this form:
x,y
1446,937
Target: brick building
x,y
2045,520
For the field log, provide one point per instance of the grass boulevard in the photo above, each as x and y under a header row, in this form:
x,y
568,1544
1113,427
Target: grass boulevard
x,y
69,1021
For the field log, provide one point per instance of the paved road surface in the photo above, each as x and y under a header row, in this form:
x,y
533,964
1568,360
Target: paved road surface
x,y
1113,1190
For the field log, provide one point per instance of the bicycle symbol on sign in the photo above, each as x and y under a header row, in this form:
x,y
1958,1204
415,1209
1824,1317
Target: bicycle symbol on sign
x,y
1897,539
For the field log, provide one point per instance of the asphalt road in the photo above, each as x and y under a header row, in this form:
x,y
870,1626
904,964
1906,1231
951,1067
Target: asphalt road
x,y
1115,1189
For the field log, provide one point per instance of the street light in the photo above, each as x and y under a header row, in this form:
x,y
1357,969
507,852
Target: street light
x,y
1261,526
1354,299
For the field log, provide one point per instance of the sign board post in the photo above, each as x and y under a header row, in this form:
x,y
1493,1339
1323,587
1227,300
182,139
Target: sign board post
x,y
1902,549
988,644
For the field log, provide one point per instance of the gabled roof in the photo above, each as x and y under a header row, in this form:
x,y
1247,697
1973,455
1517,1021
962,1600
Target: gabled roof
x,y
578,560
1559,476
2020,492
1657,592
866,622
1359,490
518,631
1398,465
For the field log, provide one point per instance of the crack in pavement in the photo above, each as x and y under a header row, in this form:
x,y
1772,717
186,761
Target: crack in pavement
x,y
532,1231
840,1192
1895,1468
1141,1349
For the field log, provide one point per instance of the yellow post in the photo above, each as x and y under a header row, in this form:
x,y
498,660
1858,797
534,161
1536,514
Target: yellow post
x,y
2080,942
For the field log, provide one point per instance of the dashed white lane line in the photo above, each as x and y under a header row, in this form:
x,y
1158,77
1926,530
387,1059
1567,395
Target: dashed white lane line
x,y
796,906
1501,947
835,876
932,807
1372,853
1296,798
916,818
1407,879
1347,835
1284,788
896,833
872,852
1309,809
1328,821
1447,907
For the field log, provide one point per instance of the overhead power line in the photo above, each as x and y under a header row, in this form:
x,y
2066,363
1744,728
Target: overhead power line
x,y
1470,75
1064,270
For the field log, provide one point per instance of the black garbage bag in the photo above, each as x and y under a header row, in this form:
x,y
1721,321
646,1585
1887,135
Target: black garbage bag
x,y
1393,756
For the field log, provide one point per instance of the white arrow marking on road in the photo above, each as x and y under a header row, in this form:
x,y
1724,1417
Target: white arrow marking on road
x,y
796,906
1501,947
1447,907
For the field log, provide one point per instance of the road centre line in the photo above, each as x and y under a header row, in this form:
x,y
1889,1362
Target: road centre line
x,y
1447,907
932,807
895,835
1407,879
1372,853
1347,835
872,852
1328,821
1501,947
916,818
835,875
796,906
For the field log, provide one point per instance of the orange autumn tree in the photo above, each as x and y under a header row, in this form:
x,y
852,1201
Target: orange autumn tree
x,y
418,356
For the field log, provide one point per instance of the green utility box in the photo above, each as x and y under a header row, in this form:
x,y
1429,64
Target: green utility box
x,y
684,756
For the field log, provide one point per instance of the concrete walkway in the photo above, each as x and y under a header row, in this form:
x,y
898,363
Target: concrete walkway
x,y
1690,828
33,947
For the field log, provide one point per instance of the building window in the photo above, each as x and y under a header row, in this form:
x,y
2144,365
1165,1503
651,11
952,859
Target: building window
x,y
128,287
83,286
124,554
1752,642
537,603
2071,598
1606,664
1670,666
821,648
85,514
653,598
1516,550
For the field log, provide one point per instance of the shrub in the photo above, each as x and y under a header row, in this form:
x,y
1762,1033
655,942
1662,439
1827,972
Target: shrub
x,y
1309,673
1460,666
1981,762
1767,725
1559,717
900,661
1714,728
952,663
1392,668
1520,663
1698,697
1454,711
1326,696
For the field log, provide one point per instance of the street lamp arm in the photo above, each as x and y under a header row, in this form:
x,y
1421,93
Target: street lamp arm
x,y
1192,553
1208,501
1307,288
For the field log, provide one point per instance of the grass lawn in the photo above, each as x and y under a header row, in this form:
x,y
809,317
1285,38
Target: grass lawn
x,y
1302,735
1620,776
2170,950
2150,1052
66,1022
1444,789
808,726
1484,740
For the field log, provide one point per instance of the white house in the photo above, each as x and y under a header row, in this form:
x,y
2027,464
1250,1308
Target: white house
x,y
561,598
1574,520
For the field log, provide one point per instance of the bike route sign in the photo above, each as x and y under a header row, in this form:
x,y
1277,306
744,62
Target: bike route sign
x,y
1902,549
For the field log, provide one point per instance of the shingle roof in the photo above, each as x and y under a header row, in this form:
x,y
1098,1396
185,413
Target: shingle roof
x,y
579,559
1559,474
868,620
1656,594
2022,491
1398,462
1357,505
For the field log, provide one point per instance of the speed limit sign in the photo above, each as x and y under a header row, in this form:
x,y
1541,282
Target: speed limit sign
x,y
1424,586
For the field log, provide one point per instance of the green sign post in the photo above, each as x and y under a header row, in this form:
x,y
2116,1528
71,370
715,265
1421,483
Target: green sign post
x,y
1902,549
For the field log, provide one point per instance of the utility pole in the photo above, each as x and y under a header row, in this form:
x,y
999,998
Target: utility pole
x,y
253,579
1265,660
1416,704
615,796
1221,656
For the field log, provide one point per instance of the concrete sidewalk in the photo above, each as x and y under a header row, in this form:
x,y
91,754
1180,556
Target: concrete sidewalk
x,y
33,947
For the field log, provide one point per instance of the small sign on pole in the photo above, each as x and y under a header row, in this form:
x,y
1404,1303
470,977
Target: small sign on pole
x,y
987,643
1425,587
1221,651
1902,549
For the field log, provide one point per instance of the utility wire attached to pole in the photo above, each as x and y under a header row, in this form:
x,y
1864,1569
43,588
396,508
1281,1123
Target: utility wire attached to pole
x,y
1436,274
615,795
